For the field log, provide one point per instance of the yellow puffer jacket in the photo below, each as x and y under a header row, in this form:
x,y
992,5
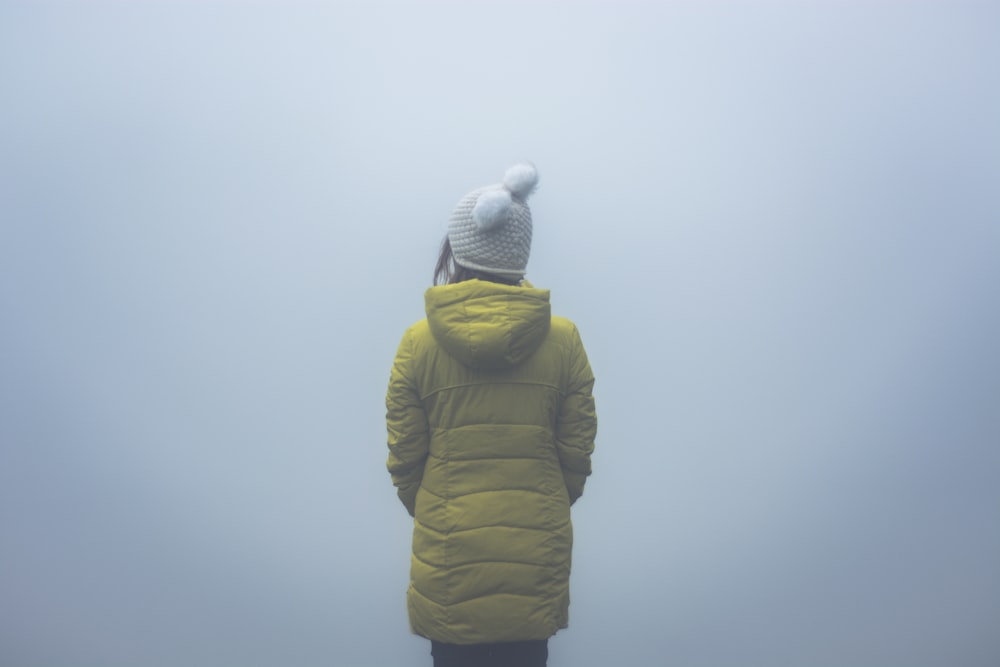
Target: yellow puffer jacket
x,y
491,427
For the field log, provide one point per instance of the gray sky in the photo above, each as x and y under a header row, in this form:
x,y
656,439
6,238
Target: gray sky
x,y
776,224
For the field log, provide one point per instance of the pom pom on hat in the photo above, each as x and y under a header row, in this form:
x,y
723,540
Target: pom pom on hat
x,y
492,208
521,179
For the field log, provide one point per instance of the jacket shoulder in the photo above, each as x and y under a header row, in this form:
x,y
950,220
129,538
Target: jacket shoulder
x,y
563,324
417,329
564,331
414,338
417,333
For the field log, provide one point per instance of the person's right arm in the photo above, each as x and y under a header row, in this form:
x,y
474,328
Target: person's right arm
x,y
576,422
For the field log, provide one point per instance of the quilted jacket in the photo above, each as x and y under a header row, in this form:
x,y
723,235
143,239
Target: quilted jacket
x,y
491,427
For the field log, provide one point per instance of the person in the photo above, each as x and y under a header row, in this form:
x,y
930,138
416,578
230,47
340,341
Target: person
x,y
491,425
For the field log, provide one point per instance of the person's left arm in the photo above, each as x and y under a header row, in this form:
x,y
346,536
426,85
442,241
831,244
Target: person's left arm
x,y
406,422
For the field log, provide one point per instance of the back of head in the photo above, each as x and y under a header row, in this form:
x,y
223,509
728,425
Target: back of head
x,y
490,229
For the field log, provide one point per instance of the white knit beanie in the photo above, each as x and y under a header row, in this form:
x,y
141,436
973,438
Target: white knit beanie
x,y
490,229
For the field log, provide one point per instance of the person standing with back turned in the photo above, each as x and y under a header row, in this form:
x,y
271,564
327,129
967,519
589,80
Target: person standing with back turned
x,y
491,426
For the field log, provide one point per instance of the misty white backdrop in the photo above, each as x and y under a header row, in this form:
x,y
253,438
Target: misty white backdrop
x,y
776,224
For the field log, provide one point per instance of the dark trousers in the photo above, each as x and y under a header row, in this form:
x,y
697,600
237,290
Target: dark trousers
x,y
533,653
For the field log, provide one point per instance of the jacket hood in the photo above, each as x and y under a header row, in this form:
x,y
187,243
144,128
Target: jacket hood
x,y
488,325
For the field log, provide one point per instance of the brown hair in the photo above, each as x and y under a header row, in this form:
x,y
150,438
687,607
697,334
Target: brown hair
x,y
448,272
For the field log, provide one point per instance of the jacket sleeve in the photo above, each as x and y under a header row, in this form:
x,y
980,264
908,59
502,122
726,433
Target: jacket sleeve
x,y
576,422
408,433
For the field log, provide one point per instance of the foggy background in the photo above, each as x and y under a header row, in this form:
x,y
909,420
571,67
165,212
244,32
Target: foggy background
x,y
776,224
